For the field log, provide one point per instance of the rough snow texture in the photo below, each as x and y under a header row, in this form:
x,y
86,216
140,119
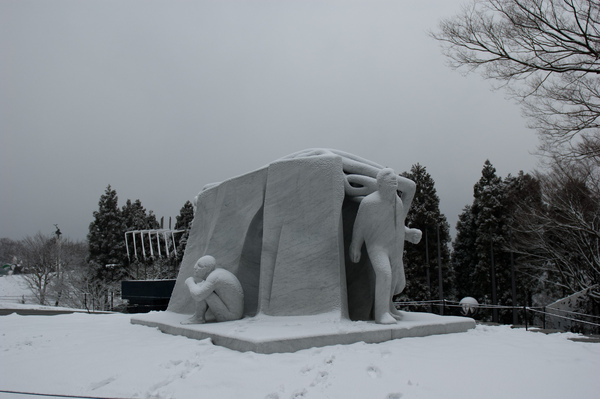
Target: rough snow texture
x,y
106,356
283,231
302,264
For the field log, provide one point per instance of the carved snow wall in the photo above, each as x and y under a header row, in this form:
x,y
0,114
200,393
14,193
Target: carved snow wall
x,y
284,231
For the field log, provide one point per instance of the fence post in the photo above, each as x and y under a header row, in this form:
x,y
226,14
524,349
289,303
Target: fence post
x,y
440,275
544,317
526,322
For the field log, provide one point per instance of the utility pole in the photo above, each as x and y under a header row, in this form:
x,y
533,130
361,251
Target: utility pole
x,y
440,276
493,277
513,280
58,234
428,267
58,268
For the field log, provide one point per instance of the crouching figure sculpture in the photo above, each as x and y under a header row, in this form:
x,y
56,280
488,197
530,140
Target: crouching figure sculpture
x,y
217,293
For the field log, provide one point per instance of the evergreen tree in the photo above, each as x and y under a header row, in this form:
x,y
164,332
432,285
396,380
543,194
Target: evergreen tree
x,y
482,256
183,222
488,210
135,216
425,215
151,220
106,239
464,254
185,217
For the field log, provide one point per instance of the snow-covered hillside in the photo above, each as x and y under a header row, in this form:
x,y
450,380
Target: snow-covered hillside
x,y
14,289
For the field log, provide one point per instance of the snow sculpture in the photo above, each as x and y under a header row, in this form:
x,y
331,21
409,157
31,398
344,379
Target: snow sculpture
x,y
468,306
380,226
285,231
217,292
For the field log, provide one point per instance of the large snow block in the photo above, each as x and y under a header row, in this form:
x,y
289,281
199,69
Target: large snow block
x,y
302,263
227,225
279,230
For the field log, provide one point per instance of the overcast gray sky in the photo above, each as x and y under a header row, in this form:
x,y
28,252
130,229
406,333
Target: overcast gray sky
x,y
160,98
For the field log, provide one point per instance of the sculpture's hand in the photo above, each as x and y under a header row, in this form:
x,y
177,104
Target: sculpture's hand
x,y
354,253
193,287
413,235
190,281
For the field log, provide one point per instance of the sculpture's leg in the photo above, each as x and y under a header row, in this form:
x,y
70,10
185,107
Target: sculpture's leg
x,y
398,284
209,316
400,277
198,317
219,309
395,312
383,288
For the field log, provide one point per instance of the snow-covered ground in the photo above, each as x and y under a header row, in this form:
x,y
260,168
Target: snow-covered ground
x,y
14,289
106,356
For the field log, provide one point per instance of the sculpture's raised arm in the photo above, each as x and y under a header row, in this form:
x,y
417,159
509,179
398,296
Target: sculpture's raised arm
x,y
412,235
408,188
200,290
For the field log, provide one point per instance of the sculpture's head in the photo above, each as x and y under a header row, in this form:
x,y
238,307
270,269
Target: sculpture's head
x,y
387,181
204,266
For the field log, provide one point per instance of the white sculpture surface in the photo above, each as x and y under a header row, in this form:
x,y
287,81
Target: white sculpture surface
x,y
380,226
285,232
217,293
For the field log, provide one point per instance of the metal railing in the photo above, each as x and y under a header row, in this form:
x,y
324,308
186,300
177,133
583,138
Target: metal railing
x,y
573,320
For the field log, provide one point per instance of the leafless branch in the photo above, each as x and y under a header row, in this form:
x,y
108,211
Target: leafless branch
x,y
547,54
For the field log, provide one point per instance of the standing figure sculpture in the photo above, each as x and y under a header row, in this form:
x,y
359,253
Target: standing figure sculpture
x,y
217,292
380,226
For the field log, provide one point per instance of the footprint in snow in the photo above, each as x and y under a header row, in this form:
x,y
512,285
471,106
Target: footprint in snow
x,y
373,372
102,383
320,378
299,394
306,369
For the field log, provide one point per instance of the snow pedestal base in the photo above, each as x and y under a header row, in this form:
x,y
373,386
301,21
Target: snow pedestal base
x,y
270,334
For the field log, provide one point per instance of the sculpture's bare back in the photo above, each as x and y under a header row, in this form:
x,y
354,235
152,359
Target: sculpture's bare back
x,y
217,292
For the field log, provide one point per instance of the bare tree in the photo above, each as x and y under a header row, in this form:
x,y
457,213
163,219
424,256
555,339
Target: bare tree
x,y
39,255
53,267
561,235
67,288
546,53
